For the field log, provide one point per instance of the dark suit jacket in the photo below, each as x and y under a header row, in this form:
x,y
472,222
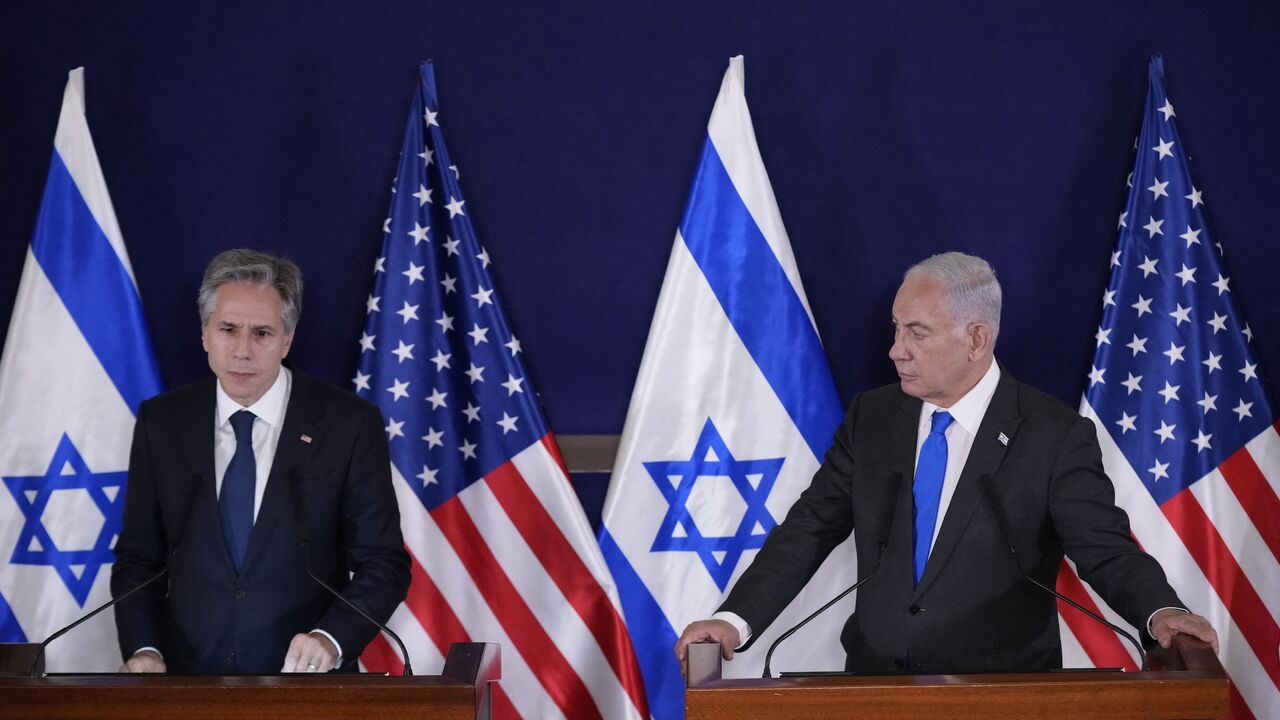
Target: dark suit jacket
x,y
971,611
203,617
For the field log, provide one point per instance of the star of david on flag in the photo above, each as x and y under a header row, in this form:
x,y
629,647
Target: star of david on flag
x,y
733,360
501,550
36,544
77,363
752,480
1187,429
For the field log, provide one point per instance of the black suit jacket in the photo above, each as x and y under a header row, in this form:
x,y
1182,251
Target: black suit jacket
x,y
971,611
204,617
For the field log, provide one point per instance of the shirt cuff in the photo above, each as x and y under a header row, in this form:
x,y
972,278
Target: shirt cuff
x,y
1157,612
744,630
155,650
336,663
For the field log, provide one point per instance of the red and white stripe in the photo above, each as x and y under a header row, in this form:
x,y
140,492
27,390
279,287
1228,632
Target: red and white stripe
x,y
1219,542
511,560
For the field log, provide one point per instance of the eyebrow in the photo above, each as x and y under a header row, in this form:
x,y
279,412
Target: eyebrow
x,y
912,324
237,326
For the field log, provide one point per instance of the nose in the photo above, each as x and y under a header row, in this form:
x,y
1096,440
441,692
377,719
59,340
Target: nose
x,y
898,351
241,347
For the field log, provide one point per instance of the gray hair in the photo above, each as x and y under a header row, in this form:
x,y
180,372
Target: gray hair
x,y
251,266
970,284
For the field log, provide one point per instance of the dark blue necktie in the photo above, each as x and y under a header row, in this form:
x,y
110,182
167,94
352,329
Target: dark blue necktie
x,y
235,503
927,489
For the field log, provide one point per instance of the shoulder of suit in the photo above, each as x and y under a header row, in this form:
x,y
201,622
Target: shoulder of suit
x,y
331,396
179,401
890,394
1036,404
875,402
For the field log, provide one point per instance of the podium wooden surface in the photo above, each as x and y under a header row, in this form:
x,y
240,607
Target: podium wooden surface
x,y
1187,682
459,694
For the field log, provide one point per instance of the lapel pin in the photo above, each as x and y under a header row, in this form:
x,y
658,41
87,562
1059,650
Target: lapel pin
x,y
1004,439
307,438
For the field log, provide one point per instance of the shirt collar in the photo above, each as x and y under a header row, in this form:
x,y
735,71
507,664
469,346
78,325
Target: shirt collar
x,y
270,407
968,410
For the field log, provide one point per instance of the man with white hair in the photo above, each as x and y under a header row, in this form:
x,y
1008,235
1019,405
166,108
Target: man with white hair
x,y
925,472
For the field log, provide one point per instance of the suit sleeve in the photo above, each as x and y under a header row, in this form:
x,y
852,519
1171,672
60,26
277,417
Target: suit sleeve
x,y
1095,533
819,520
140,550
371,535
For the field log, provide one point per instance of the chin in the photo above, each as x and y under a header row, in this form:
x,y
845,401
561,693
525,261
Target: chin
x,y
913,389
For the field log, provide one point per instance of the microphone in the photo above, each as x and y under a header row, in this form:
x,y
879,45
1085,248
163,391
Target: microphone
x,y
304,539
1007,534
891,505
164,569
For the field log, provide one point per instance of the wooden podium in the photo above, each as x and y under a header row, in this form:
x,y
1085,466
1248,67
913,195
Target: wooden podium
x,y
461,693
1186,681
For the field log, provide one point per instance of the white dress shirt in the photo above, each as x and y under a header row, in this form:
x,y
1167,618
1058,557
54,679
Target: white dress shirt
x,y
269,410
967,414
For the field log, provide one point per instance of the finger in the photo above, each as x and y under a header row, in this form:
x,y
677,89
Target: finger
x,y
293,658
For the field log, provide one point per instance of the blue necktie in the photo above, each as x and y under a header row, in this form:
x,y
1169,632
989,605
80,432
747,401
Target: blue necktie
x,y
235,502
927,488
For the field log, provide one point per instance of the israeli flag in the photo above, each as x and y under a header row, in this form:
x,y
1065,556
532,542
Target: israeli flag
x,y
733,409
77,363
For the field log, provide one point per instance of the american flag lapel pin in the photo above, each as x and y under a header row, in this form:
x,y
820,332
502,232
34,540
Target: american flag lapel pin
x,y
307,438
1004,439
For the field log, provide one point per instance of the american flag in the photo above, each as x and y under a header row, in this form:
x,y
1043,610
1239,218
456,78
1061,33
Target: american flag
x,y
501,549
1188,432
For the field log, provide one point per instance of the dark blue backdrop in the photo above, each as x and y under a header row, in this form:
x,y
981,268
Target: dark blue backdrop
x,y
891,131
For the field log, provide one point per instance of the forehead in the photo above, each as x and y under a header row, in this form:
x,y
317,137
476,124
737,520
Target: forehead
x,y
920,299
250,303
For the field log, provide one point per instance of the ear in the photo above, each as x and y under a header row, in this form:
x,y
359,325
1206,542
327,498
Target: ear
x,y
288,343
980,343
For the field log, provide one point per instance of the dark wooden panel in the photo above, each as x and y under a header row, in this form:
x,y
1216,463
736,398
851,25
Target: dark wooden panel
x,y
1197,690
588,453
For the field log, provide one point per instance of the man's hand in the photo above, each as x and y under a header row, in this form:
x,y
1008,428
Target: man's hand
x,y
310,652
144,661
702,631
1170,622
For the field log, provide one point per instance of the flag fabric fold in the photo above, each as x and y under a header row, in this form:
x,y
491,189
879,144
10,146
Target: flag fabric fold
x,y
77,364
500,546
1187,428
732,411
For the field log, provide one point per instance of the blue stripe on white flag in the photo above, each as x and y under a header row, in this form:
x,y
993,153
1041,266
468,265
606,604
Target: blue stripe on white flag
x,y
651,634
10,630
765,311
87,274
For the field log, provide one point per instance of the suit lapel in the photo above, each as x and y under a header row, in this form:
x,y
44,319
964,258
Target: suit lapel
x,y
292,452
197,444
197,439
986,454
902,448
902,460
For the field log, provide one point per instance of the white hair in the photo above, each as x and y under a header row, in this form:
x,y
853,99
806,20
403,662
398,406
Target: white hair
x,y
971,287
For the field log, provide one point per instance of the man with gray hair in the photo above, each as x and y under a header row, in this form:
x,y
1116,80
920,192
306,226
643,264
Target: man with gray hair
x,y
925,472
227,475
